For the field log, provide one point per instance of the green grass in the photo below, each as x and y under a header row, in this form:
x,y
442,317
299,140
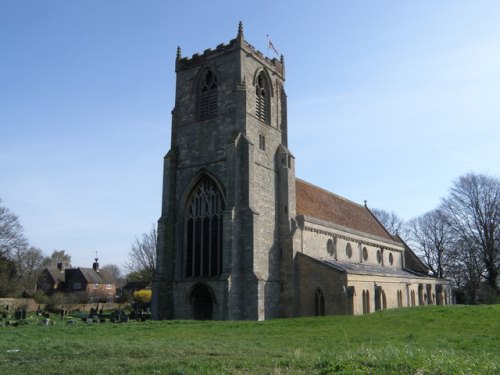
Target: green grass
x,y
423,340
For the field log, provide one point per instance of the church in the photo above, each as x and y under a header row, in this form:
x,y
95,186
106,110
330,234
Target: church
x,y
240,237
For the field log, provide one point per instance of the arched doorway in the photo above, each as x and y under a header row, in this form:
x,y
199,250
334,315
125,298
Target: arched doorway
x,y
202,302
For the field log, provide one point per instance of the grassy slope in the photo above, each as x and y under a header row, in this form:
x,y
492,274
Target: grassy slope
x,y
424,340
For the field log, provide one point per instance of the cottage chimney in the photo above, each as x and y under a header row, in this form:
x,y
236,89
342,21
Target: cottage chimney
x,y
60,267
95,265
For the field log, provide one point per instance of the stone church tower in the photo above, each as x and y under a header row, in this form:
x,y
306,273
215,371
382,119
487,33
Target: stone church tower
x,y
224,235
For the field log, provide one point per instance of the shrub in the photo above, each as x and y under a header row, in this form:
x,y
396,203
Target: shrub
x,y
142,296
59,300
487,295
40,297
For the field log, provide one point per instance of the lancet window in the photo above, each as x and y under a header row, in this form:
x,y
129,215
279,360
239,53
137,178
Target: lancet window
x,y
319,303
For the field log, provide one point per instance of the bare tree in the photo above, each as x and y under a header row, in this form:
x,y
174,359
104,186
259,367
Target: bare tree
x,y
8,280
115,273
472,210
58,256
465,269
433,239
142,257
11,232
392,222
19,263
29,263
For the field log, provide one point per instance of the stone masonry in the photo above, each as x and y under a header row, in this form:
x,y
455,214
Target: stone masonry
x,y
233,242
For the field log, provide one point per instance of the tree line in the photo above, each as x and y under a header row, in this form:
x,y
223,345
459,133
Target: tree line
x,y
460,239
21,263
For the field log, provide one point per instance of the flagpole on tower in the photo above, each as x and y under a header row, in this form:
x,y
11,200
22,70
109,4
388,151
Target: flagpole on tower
x,y
270,45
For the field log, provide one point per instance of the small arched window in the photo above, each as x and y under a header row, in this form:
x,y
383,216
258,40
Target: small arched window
x,y
203,231
367,303
400,298
262,98
364,301
319,303
207,95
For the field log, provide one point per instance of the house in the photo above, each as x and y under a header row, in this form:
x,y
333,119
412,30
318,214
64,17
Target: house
x,y
52,279
239,236
90,284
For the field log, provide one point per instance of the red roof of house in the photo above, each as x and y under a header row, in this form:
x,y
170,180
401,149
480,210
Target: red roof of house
x,y
321,204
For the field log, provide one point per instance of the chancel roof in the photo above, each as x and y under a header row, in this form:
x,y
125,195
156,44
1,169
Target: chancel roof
x,y
315,202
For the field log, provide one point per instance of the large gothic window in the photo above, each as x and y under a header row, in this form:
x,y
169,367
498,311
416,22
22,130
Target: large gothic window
x,y
203,231
207,96
262,103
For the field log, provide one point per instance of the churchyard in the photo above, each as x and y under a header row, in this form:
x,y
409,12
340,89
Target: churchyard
x,y
422,340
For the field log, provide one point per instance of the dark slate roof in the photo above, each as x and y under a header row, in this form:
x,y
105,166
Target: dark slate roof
x,y
321,204
56,274
369,269
93,277
412,261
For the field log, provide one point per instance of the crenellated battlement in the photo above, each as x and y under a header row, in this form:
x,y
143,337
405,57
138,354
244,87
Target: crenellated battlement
x,y
238,43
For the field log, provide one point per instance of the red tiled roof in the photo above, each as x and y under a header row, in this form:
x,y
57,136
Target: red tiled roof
x,y
318,203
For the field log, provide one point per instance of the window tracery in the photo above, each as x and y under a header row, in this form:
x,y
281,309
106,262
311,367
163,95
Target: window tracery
x,y
203,231
207,96
262,101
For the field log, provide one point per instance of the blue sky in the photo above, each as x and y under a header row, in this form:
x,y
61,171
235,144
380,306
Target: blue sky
x,y
388,101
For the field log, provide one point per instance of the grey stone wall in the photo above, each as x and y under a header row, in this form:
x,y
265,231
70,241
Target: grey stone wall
x,y
313,275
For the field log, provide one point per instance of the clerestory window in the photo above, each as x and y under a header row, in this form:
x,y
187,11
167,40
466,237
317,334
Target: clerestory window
x,y
203,231
207,96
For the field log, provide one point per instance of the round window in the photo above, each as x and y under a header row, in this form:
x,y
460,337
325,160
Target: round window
x,y
329,247
391,258
365,253
348,250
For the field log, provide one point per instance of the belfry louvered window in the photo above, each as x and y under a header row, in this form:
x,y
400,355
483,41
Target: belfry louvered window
x,y
203,231
262,98
207,96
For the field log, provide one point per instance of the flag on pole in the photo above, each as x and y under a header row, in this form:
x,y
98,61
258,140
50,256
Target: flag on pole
x,y
270,45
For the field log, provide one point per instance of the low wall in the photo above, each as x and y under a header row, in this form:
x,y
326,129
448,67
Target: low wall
x,y
87,306
12,304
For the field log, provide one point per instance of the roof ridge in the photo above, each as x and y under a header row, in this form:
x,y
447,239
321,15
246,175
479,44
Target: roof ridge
x,y
378,221
329,192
